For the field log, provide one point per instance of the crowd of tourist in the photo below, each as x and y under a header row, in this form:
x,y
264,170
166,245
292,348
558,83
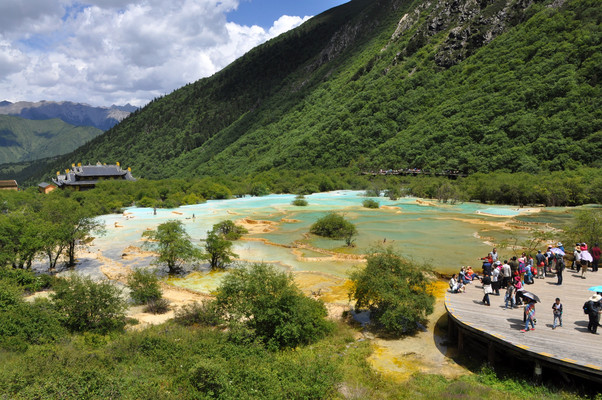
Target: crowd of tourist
x,y
512,275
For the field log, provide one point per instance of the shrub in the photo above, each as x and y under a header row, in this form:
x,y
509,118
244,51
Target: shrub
x,y
334,226
204,314
157,306
25,279
88,305
299,201
10,295
30,323
395,290
268,304
370,203
144,286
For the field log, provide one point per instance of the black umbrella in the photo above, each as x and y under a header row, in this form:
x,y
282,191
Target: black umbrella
x,y
531,296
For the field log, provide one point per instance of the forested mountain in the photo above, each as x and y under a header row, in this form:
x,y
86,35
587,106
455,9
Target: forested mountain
x,y
72,113
473,85
26,140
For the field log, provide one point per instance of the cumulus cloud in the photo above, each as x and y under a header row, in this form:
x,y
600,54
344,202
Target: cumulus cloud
x,y
117,51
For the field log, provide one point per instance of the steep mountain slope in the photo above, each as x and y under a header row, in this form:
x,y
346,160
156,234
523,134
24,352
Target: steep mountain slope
x,y
72,113
458,84
24,140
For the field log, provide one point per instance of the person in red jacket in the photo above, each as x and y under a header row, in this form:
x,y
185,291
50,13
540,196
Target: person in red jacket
x,y
596,256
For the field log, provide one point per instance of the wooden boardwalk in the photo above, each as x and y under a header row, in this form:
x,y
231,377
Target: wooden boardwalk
x,y
572,348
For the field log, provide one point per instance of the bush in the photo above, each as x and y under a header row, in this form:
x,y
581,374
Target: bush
x,y
10,295
204,314
268,304
299,201
334,226
30,323
370,203
157,306
144,286
395,290
88,305
25,279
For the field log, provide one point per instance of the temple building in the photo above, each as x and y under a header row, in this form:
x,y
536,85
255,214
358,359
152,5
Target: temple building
x,y
84,177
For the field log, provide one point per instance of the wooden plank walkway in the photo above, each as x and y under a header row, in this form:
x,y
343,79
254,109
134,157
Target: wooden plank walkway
x,y
571,346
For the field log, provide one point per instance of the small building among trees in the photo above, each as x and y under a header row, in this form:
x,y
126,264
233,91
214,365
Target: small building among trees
x,y
46,187
85,177
9,185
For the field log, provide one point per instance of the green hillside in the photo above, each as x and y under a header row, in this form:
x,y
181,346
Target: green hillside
x,y
510,85
26,140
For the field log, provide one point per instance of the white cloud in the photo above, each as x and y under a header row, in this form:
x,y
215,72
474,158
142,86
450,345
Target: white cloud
x,y
117,51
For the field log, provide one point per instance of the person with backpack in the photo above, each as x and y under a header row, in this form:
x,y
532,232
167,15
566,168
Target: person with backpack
x,y
559,268
593,309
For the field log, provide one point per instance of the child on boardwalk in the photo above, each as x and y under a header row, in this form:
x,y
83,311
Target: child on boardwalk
x,y
529,316
557,310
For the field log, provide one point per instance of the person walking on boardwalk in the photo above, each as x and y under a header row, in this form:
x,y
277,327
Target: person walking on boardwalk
x,y
559,268
509,297
540,259
507,275
593,309
495,278
557,310
529,316
596,256
577,257
486,281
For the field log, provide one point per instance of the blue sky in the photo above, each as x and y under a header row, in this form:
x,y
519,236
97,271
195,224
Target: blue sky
x,y
265,12
104,52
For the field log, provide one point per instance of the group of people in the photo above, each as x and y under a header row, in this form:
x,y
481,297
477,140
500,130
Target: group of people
x,y
512,275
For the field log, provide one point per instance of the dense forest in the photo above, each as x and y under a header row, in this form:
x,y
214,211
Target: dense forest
x,y
494,85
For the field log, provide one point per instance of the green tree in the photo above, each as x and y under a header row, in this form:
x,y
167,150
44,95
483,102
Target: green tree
x,y
271,307
218,250
334,226
173,244
20,238
586,227
395,290
87,305
229,230
144,286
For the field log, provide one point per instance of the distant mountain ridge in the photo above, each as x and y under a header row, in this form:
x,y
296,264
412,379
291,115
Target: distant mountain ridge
x,y
77,114
467,85
26,140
